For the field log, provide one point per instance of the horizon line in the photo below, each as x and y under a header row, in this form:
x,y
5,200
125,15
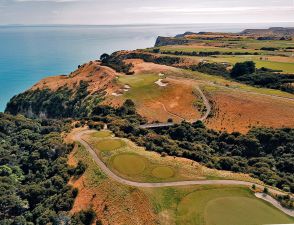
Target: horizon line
x,y
144,24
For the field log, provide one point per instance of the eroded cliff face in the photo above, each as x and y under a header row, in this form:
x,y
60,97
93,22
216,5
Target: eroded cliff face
x,y
274,31
63,96
163,41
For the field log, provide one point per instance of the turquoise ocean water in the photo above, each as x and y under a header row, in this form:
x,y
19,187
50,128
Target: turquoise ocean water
x,y
29,53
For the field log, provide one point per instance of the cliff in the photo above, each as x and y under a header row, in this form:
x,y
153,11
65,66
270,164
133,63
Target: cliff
x,y
273,31
163,41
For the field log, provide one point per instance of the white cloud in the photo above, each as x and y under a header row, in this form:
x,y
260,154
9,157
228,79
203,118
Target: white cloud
x,y
204,9
144,11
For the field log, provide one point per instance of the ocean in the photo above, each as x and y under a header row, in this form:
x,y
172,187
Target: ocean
x,y
30,53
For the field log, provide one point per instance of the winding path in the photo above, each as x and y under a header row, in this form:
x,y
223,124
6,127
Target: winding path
x,y
110,174
206,103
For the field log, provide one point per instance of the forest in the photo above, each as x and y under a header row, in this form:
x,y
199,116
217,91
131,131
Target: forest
x,y
63,103
34,173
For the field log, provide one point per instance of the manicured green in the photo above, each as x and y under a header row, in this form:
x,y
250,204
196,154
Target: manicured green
x,y
109,144
129,164
223,206
163,172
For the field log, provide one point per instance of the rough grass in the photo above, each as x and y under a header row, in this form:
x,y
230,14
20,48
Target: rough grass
x,y
93,175
113,203
236,110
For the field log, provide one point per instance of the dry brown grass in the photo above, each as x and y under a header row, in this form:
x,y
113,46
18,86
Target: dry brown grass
x,y
139,66
239,111
175,101
98,77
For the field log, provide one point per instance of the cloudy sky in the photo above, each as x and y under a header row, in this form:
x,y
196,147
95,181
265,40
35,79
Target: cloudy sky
x,y
144,11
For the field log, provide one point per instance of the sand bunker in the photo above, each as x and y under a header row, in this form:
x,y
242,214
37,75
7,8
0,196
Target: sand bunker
x,y
116,94
160,83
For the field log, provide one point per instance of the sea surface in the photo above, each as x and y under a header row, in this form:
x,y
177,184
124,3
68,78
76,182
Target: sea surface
x,y
29,53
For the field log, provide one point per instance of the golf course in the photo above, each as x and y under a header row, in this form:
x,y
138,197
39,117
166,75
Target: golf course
x,y
207,203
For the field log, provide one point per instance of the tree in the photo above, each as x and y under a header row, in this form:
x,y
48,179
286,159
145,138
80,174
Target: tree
x,y
243,68
104,58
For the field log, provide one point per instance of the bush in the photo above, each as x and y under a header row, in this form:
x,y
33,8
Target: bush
x,y
85,217
243,68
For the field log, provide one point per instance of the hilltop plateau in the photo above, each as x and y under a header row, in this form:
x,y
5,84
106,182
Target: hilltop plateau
x,y
191,131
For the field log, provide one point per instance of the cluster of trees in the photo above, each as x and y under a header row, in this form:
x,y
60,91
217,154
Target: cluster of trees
x,y
149,57
207,53
63,103
211,68
34,172
269,49
246,72
115,62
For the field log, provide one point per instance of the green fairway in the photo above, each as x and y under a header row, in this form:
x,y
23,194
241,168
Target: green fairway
x,y
225,206
129,164
101,134
163,172
284,66
190,48
109,144
287,67
142,86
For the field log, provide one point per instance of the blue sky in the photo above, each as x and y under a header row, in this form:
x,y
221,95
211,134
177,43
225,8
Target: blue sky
x,y
144,11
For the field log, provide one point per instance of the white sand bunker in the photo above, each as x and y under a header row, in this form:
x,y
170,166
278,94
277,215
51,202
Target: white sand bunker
x,y
126,88
161,74
116,94
120,92
161,83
